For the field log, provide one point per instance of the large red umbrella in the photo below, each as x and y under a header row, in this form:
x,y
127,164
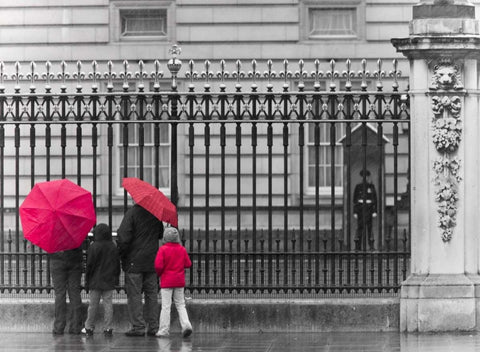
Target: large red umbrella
x,y
57,215
151,199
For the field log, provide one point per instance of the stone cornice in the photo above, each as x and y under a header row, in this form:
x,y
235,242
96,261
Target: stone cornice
x,y
425,47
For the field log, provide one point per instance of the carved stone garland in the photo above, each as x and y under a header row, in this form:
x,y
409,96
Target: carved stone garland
x,y
447,134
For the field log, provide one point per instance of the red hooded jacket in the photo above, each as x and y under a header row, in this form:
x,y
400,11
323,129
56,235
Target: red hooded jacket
x,y
170,263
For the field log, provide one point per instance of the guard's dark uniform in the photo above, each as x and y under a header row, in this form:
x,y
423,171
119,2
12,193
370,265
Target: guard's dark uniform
x,y
364,206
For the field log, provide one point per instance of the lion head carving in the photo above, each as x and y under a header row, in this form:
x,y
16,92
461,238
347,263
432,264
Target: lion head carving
x,y
446,76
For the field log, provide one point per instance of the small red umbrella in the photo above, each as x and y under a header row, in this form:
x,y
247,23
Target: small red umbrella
x,y
57,215
151,199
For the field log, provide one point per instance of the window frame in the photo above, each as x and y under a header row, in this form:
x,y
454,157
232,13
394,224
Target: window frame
x,y
118,146
307,5
117,6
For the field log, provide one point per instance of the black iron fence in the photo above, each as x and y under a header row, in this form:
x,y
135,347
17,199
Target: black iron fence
x,y
263,179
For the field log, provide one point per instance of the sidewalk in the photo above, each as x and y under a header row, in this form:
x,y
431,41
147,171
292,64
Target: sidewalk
x,y
246,342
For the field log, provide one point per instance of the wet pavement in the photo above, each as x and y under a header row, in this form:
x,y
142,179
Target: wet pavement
x,y
251,342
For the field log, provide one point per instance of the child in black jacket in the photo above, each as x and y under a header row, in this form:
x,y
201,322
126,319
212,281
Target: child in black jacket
x,y
102,273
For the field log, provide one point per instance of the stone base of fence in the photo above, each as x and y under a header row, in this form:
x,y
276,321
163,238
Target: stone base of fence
x,y
244,315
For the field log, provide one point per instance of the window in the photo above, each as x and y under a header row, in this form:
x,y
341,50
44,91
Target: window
x,y
332,19
148,22
325,159
142,20
332,22
148,146
149,150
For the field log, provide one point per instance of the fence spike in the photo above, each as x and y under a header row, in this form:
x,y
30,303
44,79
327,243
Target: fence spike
x,y
125,75
32,76
395,74
301,74
269,74
285,74
316,75
140,75
332,74
94,75
2,76
222,74
156,75
238,73
48,75
109,75
254,73
363,74
207,74
63,75
379,74
348,74
16,76
79,75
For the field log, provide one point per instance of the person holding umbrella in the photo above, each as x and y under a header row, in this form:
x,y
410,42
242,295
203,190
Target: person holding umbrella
x,y
57,216
138,239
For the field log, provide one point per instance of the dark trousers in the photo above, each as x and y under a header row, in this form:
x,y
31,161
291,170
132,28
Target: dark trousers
x,y
140,318
67,277
364,228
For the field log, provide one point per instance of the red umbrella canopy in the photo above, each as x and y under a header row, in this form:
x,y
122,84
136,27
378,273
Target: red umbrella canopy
x,y
151,199
57,215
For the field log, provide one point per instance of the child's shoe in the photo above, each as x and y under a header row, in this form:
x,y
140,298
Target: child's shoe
x,y
88,332
108,332
187,332
161,334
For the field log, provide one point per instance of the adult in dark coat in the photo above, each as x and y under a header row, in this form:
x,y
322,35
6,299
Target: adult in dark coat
x,y
101,276
364,209
66,271
138,242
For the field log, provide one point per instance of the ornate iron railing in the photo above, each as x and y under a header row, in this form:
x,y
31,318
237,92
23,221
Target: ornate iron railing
x,y
244,167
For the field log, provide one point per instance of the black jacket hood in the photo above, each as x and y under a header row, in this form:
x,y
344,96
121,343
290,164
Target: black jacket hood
x,y
102,232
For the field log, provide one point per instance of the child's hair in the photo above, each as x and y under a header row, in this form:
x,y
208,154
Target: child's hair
x,y
171,235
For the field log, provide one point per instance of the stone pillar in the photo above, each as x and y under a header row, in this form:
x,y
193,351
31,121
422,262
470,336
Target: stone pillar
x,y
443,49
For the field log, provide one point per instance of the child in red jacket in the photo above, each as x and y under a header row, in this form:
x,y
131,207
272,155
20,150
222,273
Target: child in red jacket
x,y
170,263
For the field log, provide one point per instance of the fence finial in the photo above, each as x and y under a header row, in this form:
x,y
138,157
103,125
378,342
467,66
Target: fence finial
x,y
222,74
316,75
2,76
125,75
269,74
238,73
63,75
379,73
301,74
156,75
140,75
110,75
395,74
16,76
174,64
286,74
94,75
332,74
32,76
254,74
348,74
363,74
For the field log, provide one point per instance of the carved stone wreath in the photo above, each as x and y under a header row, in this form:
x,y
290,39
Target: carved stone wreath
x,y
446,136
